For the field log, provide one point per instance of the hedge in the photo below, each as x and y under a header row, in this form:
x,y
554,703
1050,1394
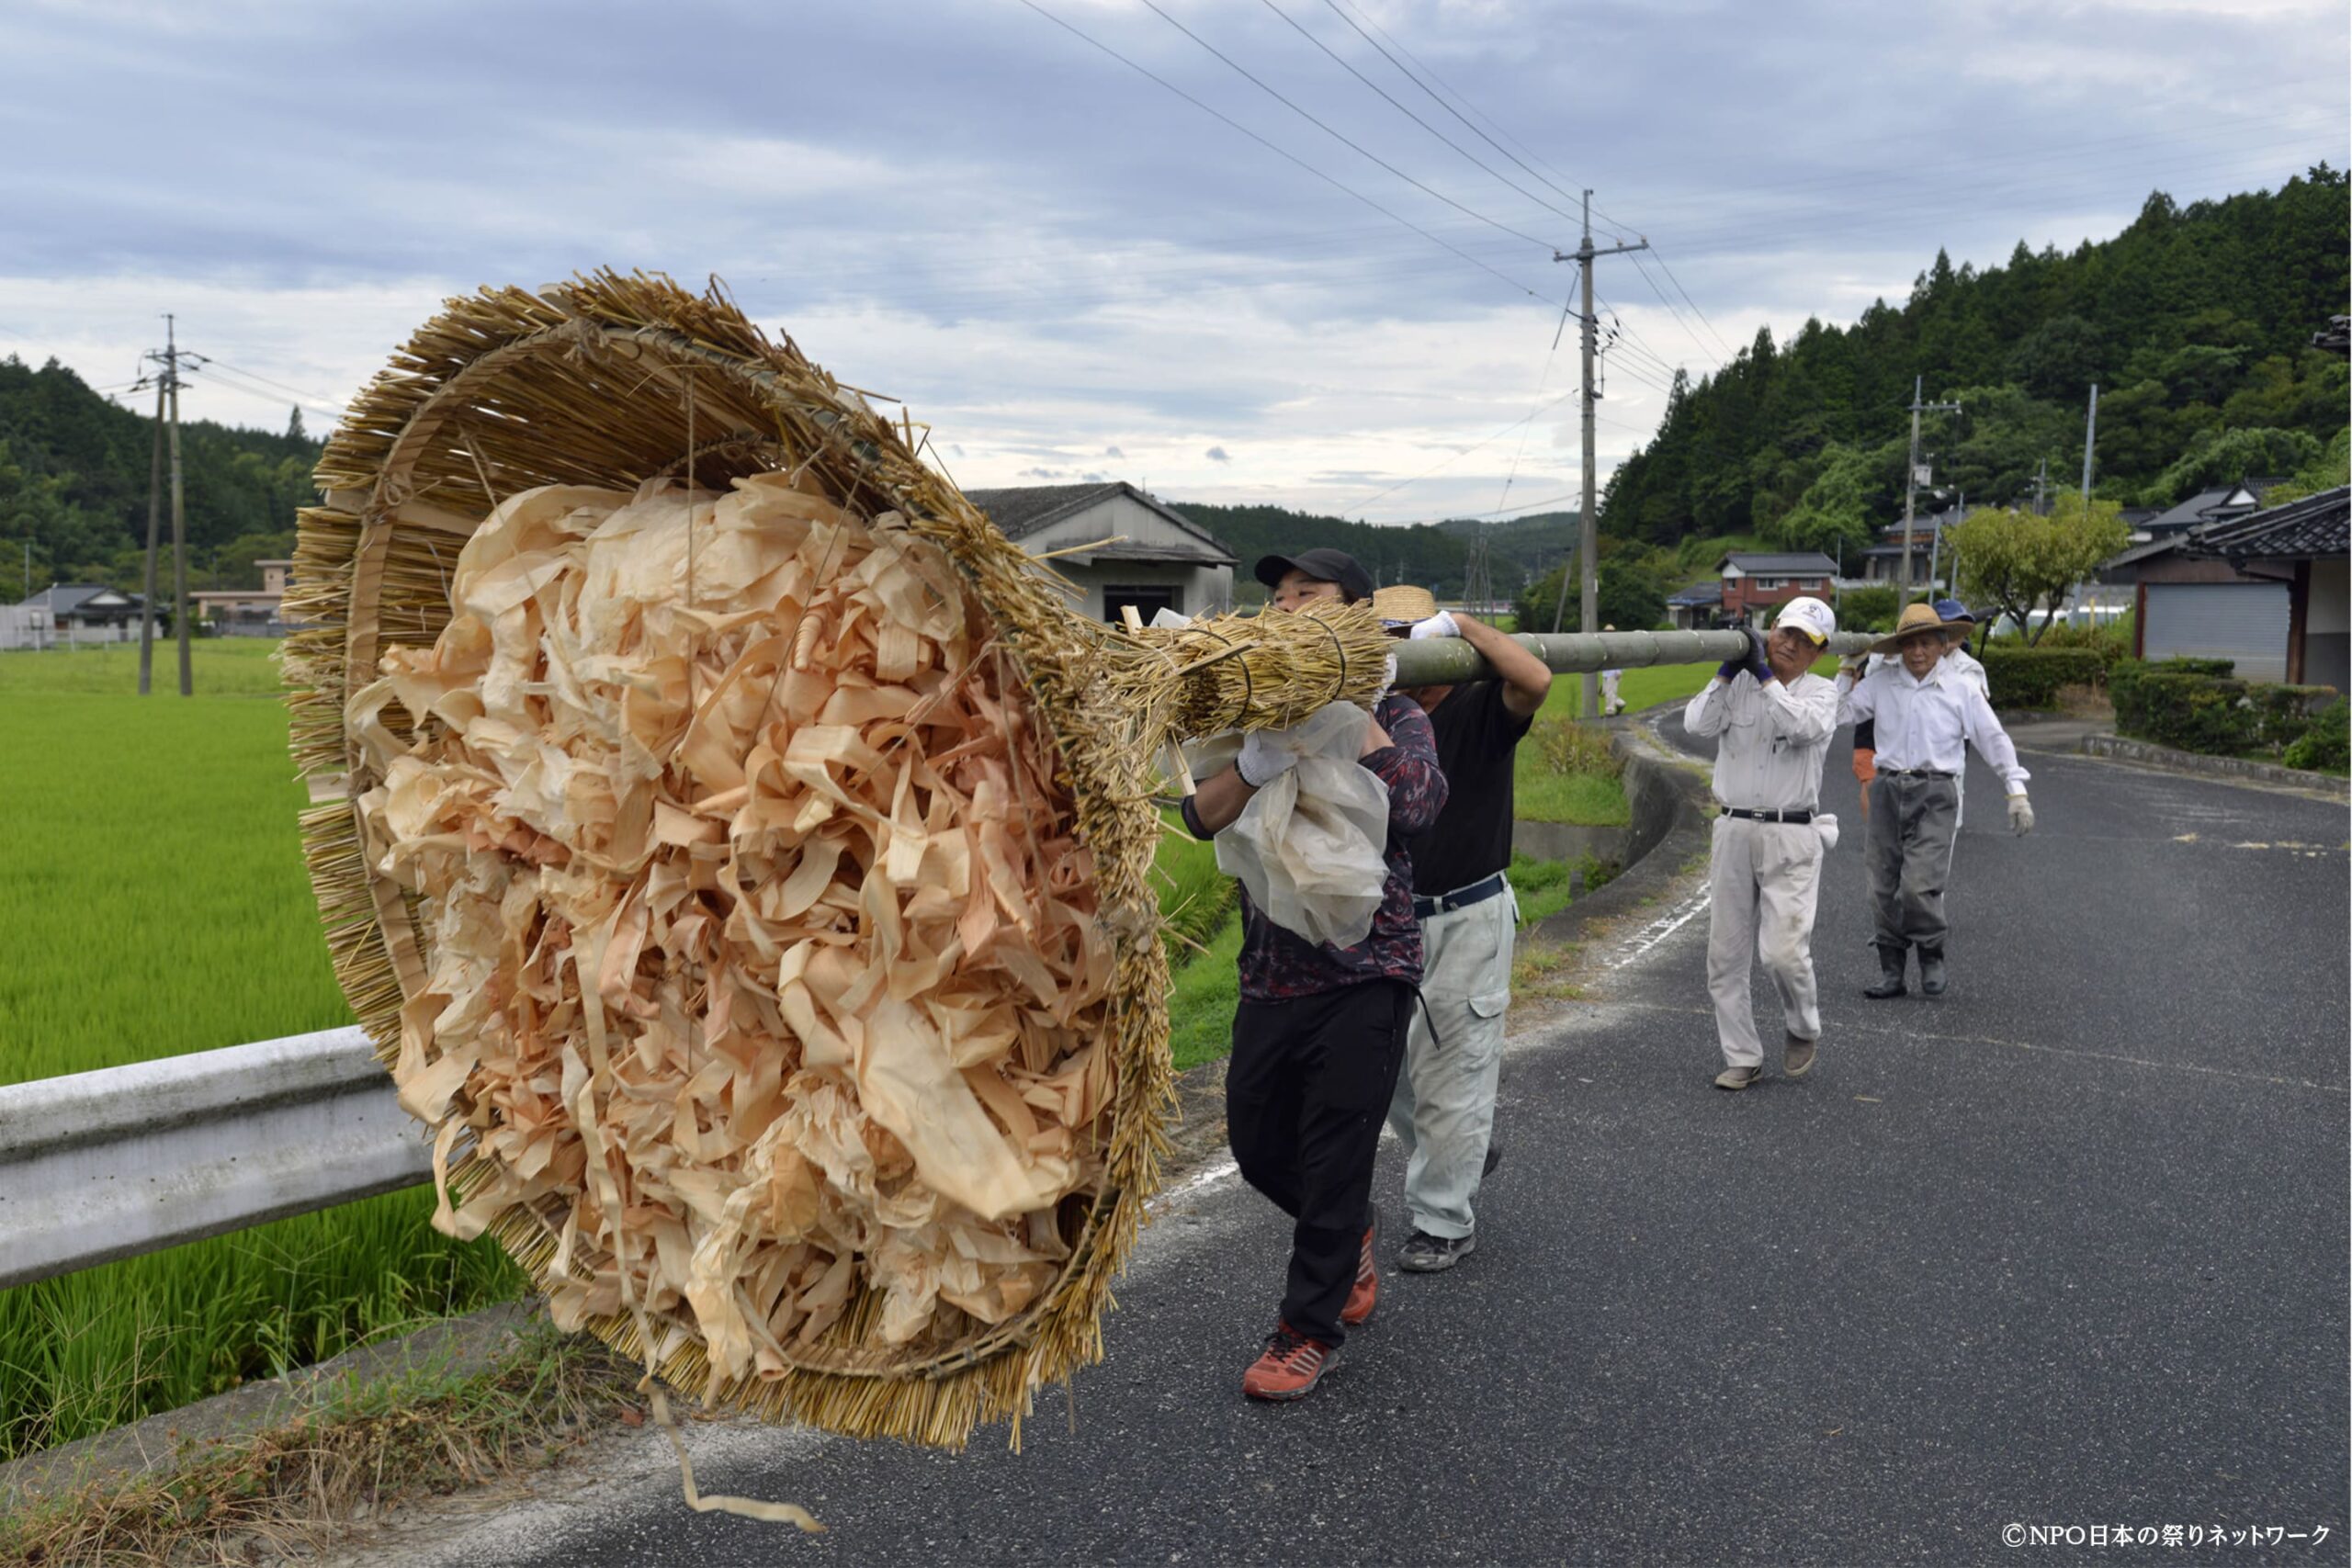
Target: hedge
x,y
2030,677
2327,744
2197,704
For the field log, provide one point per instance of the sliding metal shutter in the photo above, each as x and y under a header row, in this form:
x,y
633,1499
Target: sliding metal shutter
x,y
2243,621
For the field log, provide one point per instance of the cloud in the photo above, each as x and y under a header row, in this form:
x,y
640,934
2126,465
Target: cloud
x,y
1062,265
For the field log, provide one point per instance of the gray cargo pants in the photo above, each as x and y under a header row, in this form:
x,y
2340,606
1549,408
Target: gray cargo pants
x,y
1443,1110
1915,819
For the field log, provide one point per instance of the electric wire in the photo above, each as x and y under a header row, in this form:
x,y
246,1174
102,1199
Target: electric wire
x,y
1288,156
1153,6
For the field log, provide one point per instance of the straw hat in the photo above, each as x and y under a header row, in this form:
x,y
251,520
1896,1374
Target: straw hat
x,y
1404,603
1919,618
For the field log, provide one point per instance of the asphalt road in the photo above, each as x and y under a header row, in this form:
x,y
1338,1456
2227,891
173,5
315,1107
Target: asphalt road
x,y
2065,1248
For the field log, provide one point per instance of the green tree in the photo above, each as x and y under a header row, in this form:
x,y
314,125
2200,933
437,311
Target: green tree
x,y
2020,563
2222,456
1836,507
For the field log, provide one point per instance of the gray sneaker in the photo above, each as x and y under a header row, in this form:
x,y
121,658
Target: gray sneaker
x,y
1796,1059
1736,1079
1427,1254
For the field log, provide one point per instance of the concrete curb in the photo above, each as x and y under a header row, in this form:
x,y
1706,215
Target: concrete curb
x,y
1668,794
165,1444
2147,753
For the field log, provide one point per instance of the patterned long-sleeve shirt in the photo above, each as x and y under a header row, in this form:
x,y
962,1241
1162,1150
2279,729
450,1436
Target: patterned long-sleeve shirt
x,y
1277,965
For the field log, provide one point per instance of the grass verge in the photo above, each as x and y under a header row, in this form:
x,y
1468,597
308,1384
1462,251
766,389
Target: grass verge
x,y
360,1447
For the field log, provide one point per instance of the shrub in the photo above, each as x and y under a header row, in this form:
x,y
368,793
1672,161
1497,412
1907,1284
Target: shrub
x,y
2030,677
2197,704
1571,748
2324,745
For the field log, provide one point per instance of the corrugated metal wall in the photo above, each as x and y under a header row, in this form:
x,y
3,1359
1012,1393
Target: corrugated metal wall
x,y
2241,621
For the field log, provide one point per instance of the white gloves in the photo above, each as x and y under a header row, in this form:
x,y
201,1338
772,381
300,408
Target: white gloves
x,y
1443,623
2020,814
1263,760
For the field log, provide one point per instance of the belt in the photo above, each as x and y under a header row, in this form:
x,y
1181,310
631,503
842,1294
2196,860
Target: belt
x,y
1460,898
1775,815
1915,774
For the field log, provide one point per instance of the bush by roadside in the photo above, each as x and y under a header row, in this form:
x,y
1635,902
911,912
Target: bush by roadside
x,y
2198,704
2031,677
2326,746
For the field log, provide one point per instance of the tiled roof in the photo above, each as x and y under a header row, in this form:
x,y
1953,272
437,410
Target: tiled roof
x,y
1809,563
2300,530
1700,594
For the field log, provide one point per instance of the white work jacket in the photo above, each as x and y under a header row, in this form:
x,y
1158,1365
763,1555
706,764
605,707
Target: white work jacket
x,y
1926,724
1775,736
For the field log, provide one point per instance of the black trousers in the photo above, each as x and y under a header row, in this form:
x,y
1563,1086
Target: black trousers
x,y
1304,1095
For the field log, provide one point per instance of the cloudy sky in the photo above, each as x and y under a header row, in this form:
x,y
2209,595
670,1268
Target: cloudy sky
x,y
1306,259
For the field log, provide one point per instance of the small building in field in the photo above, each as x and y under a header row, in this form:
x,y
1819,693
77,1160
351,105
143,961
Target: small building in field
x,y
88,611
1125,547
247,612
2264,588
1757,583
1883,562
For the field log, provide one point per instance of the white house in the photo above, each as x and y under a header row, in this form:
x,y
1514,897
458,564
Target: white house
x,y
1135,549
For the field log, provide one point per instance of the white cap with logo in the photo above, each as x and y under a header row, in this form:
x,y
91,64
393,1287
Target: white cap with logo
x,y
1811,616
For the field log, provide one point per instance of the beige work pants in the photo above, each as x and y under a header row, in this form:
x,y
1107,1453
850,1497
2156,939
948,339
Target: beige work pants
x,y
1763,880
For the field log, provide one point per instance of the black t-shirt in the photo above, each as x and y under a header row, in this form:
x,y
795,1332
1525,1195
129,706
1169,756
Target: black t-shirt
x,y
1470,841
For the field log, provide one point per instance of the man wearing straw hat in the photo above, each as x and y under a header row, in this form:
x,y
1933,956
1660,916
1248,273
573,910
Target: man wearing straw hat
x,y
1774,718
1320,1030
1925,713
1443,1112
1953,613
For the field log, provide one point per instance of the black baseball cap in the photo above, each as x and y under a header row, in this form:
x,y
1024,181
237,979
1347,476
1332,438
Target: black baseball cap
x,y
1324,566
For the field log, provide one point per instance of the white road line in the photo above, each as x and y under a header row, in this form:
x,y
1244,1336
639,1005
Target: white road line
x,y
1223,1171
1657,930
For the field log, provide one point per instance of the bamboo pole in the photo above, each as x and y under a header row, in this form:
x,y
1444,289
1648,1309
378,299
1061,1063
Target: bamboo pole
x,y
1444,660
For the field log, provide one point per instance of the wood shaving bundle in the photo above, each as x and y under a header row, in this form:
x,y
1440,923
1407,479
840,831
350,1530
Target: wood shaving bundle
x,y
764,960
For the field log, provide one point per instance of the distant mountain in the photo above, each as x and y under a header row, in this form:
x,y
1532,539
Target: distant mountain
x,y
2195,324
1432,555
74,483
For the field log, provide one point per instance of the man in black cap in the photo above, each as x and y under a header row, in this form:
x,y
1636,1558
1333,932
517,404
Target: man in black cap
x,y
1313,574
1320,1030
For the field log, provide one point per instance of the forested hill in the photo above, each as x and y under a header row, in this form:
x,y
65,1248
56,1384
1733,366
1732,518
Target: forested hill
x,y
1432,555
2194,322
74,480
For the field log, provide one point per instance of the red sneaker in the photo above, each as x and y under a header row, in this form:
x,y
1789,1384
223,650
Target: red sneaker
x,y
1290,1368
1365,1294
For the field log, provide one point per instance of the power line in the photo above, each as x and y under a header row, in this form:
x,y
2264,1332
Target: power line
x,y
1692,303
1246,74
1408,114
1449,108
1329,179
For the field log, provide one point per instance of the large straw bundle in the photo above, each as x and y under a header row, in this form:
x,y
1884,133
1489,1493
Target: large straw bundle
x,y
738,853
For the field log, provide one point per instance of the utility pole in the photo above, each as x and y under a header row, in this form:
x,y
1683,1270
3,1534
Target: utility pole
x,y
2041,490
169,387
1590,604
2090,438
154,523
1911,478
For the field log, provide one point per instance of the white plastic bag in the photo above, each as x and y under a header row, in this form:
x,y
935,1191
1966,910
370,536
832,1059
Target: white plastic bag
x,y
1309,846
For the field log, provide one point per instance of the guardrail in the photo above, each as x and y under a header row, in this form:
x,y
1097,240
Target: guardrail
x,y
110,1164
99,1165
